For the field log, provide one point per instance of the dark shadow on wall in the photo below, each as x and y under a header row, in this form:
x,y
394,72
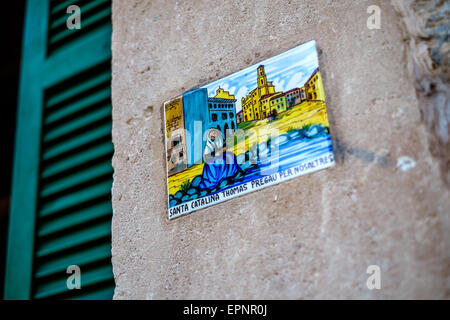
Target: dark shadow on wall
x,y
11,28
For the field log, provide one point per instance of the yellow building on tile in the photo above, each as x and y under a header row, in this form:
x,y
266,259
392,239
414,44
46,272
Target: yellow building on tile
x,y
222,94
314,87
263,101
265,105
277,103
251,105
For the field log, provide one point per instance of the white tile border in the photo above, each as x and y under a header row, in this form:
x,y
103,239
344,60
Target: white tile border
x,y
309,166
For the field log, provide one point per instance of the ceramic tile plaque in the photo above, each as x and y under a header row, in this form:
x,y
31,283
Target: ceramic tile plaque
x,y
252,129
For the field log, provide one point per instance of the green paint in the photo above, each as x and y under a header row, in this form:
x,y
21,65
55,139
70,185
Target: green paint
x,y
60,207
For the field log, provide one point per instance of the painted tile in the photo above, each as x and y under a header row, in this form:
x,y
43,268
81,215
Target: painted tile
x,y
252,129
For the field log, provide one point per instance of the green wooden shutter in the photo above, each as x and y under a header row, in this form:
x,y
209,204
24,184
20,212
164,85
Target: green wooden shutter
x,y
61,197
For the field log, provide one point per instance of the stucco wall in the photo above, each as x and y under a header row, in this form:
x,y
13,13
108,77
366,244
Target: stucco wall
x,y
310,237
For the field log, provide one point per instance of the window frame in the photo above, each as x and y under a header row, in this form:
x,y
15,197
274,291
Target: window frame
x,y
39,71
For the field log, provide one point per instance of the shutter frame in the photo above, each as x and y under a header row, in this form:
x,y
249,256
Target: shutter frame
x,y
19,262
41,71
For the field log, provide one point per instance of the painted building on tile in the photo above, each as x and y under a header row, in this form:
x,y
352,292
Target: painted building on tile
x,y
202,113
251,104
176,138
277,103
264,101
294,97
313,87
239,117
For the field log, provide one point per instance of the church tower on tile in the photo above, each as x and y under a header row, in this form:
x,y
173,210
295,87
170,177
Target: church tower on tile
x,y
262,79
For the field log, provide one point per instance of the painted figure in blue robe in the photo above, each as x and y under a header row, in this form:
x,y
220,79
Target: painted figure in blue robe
x,y
219,164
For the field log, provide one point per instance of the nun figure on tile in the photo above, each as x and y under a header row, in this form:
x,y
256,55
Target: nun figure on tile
x,y
219,164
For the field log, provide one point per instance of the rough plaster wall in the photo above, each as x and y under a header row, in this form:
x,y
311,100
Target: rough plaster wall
x,y
426,29
310,237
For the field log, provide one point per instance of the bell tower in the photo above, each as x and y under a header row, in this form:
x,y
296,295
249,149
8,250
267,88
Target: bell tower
x,y
262,79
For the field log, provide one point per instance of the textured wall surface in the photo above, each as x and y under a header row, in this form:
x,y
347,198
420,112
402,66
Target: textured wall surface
x,y
426,29
384,202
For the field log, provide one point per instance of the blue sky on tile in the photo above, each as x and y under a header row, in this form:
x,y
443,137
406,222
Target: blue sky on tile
x,y
288,70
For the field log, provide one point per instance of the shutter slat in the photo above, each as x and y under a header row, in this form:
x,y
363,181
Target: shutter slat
x,y
102,132
76,238
99,151
77,124
60,8
78,89
85,195
91,255
94,14
103,294
88,278
97,97
80,178
82,216
86,9
86,23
